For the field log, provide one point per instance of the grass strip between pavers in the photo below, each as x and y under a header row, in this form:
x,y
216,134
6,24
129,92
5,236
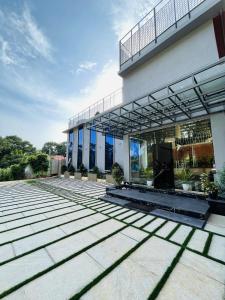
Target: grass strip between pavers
x,y
19,285
154,294
207,244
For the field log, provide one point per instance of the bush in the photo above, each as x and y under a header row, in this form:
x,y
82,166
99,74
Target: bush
x,y
17,171
83,170
5,174
185,175
71,169
63,169
221,179
96,171
117,173
38,162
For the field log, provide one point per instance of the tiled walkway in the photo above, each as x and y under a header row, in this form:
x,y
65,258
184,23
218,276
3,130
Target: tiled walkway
x,y
59,241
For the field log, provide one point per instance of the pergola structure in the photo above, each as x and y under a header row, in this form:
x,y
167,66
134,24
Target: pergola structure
x,y
197,95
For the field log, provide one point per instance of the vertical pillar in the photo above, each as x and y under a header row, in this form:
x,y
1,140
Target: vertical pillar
x,y
218,135
100,152
86,146
126,151
75,148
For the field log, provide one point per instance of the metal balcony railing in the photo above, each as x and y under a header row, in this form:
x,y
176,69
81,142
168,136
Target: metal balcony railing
x,y
163,16
108,102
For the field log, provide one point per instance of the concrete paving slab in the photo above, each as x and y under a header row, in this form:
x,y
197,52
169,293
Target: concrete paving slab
x,y
181,234
217,247
154,224
126,214
133,218
6,252
166,229
133,233
106,228
195,277
37,240
143,221
147,264
109,251
62,282
15,234
25,221
198,240
21,269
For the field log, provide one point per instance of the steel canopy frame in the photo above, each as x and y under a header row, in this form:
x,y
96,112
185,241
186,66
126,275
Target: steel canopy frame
x,y
193,96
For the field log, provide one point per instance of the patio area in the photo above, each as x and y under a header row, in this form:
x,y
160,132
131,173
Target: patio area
x,y
58,240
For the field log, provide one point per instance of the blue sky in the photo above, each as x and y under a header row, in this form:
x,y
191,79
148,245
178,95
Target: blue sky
x,y
56,58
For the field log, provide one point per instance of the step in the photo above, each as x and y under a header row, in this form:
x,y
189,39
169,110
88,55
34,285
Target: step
x,y
184,205
179,218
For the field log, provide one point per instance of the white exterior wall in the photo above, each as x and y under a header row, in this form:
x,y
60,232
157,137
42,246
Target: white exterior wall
x,y
75,148
100,152
119,153
218,134
86,146
126,164
194,51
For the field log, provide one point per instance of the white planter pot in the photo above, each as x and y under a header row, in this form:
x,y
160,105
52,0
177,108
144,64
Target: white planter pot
x,y
186,187
149,182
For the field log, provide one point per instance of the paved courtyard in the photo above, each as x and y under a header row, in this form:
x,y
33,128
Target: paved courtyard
x,y
59,241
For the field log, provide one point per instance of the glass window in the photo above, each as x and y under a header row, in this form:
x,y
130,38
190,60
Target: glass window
x,y
80,147
70,146
92,154
109,143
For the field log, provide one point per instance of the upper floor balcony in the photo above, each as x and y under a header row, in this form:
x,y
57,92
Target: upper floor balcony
x,y
160,27
106,103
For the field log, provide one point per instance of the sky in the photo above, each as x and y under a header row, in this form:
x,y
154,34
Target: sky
x,y
58,57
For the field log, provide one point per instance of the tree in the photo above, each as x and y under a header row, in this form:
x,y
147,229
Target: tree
x,y
13,149
55,148
38,162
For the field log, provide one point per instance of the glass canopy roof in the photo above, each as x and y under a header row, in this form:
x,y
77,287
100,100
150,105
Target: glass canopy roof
x,y
193,96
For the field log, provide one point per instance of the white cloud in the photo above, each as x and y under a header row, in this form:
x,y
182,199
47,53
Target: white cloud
x,y
5,53
127,13
86,66
23,38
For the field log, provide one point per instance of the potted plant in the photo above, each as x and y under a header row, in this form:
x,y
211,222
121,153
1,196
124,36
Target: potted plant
x,y
93,174
117,173
149,176
208,186
186,176
64,171
81,172
109,177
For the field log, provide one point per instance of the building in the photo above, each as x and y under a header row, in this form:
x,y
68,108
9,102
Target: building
x,y
171,110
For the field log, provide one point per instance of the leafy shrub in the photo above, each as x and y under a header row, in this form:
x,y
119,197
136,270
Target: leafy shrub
x,y
149,173
5,174
63,169
83,170
185,175
39,163
17,171
221,179
117,173
96,171
71,169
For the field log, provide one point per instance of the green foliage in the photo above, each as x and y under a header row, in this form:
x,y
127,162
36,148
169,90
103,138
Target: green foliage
x,y
13,149
221,179
5,174
185,175
38,162
95,170
117,173
71,169
54,148
83,170
149,173
17,171
207,185
63,169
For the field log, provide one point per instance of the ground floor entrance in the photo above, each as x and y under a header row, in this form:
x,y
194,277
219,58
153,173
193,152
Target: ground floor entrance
x,y
162,155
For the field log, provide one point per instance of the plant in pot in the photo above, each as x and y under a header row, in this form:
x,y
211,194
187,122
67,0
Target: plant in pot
x,y
209,187
117,173
94,174
83,170
149,176
186,176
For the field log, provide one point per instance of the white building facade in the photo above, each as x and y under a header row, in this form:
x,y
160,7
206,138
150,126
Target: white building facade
x,y
171,110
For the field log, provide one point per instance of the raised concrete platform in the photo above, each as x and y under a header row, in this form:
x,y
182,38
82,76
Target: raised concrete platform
x,y
180,204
